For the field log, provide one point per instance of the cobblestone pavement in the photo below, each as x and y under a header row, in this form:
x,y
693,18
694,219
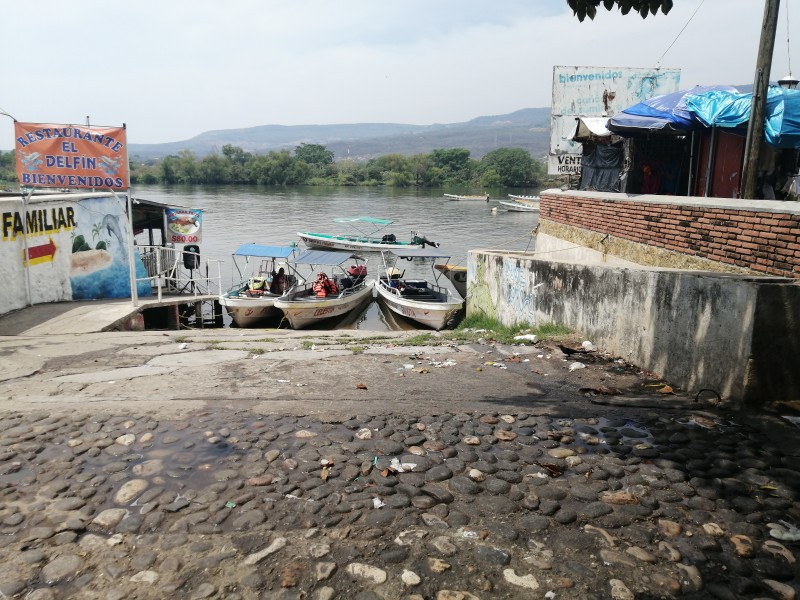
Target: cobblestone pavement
x,y
257,465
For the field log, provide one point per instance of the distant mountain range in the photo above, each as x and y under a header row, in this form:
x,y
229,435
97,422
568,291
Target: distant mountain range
x,y
528,128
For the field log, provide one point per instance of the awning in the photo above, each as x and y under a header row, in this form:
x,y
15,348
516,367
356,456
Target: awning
x,y
327,258
260,251
588,127
371,220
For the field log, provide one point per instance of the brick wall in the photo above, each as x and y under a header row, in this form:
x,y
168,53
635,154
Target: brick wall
x,y
762,235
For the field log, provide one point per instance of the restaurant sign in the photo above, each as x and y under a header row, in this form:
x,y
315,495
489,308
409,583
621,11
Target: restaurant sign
x,y
71,156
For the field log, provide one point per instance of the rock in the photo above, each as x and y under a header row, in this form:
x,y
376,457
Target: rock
x,y
691,580
148,468
505,436
782,590
437,565
305,434
368,572
257,557
410,537
476,475
560,452
145,577
713,530
409,578
62,567
130,490
642,554
669,551
743,545
107,520
472,440
777,549
325,593
204,590
619,591
669,529
616,558
454,595
528,582
443,545
125,440
364,433
324,570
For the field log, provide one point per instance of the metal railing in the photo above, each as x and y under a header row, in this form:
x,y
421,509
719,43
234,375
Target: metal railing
x,y
169,271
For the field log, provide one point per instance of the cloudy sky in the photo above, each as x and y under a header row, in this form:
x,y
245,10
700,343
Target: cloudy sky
x,y
171,69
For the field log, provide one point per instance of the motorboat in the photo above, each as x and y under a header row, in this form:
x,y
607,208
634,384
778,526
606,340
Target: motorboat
x,y
532,201
367,236
484,197
424,301
457,274
324,296
250,301
519,206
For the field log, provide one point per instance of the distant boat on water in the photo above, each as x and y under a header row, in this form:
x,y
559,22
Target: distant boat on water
x,y
484,197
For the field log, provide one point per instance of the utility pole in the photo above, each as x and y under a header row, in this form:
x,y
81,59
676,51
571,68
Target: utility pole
x,y
755,128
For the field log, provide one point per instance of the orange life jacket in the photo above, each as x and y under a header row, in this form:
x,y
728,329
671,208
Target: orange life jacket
x,y
320,288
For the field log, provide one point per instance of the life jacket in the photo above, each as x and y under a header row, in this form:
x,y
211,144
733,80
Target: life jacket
x,y
320,288
330,286
257,283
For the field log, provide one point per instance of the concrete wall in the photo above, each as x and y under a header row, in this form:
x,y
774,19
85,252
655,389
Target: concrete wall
x,y
762,236
697,329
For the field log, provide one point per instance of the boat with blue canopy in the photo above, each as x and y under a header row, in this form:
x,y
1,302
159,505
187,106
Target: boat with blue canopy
x,y
263,273
335,285
366,236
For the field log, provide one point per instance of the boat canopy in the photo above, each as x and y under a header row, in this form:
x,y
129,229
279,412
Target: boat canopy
x,y
327,258
420,253
260,251
371,220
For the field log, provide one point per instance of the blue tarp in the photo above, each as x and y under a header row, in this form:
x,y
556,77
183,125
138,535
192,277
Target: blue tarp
x,y
781,119
260,251
662,113
328,258
713,106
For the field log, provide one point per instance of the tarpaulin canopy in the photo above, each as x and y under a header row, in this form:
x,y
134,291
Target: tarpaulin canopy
x,y
371,220
261,251
732,109
328,258
666,113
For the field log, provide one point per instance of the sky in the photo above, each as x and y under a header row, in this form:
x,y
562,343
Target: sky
x,y
172,69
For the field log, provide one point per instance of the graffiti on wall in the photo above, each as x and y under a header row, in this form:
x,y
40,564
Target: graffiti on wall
x,y
518,285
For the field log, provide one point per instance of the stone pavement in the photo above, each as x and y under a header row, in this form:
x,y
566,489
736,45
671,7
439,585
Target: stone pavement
x,y
278,464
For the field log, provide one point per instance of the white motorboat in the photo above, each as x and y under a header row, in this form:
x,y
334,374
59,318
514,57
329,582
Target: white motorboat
x,y
484,197
323,297
425,302
250,301
366,237
519,206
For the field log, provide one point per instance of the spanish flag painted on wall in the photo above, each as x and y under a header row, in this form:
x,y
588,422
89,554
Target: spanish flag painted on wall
x,y
71,156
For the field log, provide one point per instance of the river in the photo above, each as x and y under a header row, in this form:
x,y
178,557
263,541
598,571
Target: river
x,y
234,215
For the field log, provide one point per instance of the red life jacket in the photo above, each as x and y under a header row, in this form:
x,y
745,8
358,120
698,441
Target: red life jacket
x,y
320,288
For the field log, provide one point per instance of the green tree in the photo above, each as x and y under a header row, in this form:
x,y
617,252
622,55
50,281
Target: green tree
x,y
7,166
588,8
214,169
454,163
511,167
314,154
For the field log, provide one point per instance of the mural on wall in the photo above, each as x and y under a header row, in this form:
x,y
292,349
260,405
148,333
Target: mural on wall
x,y
99,259
69,247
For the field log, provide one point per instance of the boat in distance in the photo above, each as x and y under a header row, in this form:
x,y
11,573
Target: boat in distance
x,y
322,297
484,197
251,300
366,237
518,206
425,302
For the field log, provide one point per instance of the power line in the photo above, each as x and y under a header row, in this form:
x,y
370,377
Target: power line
x,y
658,63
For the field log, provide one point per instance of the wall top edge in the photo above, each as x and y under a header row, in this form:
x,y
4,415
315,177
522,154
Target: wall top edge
x,y
791,207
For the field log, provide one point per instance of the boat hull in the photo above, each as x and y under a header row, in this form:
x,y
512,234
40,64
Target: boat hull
x,y
352,243
302,312
249,312
433,314
518,206
460,197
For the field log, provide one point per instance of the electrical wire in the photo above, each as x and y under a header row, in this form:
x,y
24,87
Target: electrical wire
x,y
658,63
